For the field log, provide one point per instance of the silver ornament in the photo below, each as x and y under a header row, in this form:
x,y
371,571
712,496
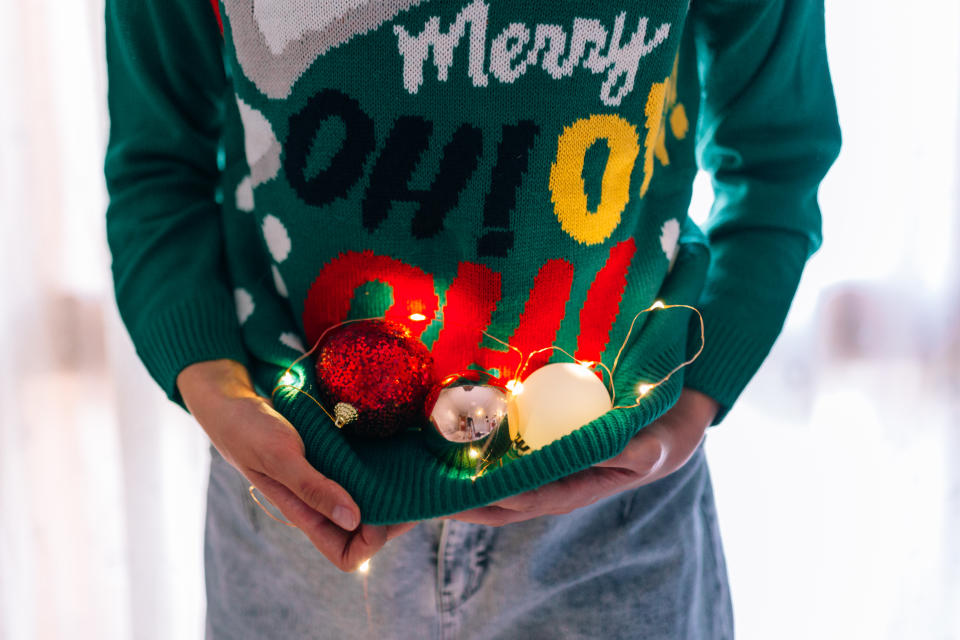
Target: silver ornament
x,y
469,412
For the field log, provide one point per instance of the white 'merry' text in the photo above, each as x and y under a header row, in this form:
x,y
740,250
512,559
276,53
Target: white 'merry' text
x,y
621,61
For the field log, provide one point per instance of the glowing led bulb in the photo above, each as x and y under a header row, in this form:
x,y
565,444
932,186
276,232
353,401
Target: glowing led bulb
x,y
515,387
288,378
417,317
657,305
364,567
644,389
474,453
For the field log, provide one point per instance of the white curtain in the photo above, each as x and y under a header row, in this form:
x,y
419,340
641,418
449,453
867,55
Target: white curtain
x,y
837,475
101,480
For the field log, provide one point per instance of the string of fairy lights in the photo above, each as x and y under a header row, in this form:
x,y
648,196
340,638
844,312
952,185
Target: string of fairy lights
x,y
514,387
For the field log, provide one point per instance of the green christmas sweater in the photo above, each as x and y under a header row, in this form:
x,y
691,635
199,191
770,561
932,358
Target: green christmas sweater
x,y
518,168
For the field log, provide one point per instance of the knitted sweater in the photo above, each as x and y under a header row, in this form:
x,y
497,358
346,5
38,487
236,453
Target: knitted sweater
x,y
521,168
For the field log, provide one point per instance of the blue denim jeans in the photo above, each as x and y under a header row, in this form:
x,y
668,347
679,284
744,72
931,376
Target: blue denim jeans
x,y
647,563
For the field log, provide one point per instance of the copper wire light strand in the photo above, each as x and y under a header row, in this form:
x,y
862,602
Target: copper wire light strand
x,y
519,375
678,367
252,490
483,463
626,339
506,344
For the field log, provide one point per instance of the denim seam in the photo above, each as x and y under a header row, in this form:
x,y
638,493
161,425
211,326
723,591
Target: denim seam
x,y
441,567
714,555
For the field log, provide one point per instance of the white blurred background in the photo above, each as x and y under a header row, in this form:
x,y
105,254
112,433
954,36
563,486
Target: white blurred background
x,y
837,475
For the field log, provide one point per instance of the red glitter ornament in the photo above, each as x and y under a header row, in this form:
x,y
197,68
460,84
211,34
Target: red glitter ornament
x,y
375,376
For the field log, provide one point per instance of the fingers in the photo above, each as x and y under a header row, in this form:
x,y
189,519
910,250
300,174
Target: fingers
x,y
362,544
556,498
313,488
347,550
643,455
330,540
666,444
656,451
267,449
317,505
397,530
491,516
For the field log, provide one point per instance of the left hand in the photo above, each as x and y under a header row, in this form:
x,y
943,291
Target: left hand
x,y
658,450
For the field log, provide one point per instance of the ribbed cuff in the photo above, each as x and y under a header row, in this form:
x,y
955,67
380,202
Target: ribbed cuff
x,y
733,351
196,329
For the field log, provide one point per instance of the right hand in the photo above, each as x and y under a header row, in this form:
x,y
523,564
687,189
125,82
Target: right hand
x,y
265,448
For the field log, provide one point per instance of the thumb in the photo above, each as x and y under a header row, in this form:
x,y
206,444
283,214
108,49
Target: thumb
x,y
319,492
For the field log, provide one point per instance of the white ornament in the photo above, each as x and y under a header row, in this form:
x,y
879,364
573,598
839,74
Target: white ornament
x,y
554,401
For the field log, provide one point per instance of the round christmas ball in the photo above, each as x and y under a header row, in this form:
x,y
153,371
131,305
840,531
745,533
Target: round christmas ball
x,y
467,420
375,375
554,401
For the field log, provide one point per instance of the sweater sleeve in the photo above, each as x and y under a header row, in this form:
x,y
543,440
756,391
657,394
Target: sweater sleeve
x,y
767,134
166,84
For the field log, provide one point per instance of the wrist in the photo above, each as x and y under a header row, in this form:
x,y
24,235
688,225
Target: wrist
x,y
681,429
201,382
697,407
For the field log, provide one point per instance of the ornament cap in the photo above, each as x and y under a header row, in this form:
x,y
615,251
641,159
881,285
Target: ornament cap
x,y
344,413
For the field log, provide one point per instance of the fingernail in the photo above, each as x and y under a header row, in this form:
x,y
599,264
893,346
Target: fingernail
x,y
344,518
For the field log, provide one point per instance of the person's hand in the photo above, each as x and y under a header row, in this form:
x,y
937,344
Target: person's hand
x,y
658,450
265,448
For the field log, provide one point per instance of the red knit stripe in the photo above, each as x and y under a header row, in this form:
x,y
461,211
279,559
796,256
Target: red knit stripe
x,y
539,322
216,11
603,302
470,302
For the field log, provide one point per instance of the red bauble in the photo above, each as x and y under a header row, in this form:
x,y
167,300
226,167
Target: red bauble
x,y
375,376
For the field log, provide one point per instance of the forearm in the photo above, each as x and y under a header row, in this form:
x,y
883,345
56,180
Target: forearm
x,y
768,134
166,82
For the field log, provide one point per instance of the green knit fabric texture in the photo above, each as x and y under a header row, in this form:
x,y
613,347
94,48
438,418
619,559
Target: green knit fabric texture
x,y
517,168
